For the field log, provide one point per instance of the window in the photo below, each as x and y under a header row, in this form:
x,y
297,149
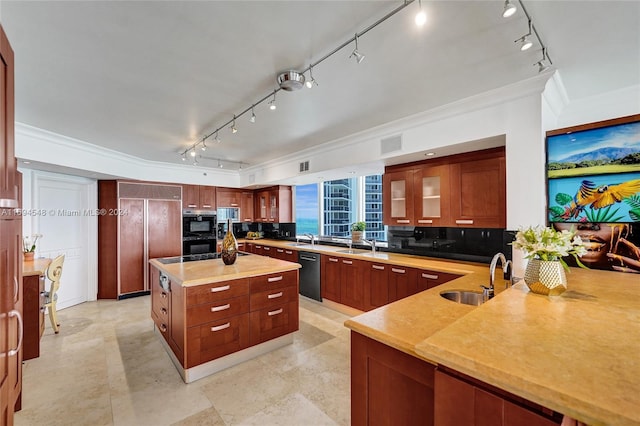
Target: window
x,y
343,202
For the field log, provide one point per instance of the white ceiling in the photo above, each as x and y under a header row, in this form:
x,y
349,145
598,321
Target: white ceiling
x,y
149,78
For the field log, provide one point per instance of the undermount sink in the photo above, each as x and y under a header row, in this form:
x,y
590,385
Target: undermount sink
x,y
352,251
299,244
473,298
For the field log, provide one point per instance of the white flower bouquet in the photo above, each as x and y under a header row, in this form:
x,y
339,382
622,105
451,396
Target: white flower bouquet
x,y
29,243
549,244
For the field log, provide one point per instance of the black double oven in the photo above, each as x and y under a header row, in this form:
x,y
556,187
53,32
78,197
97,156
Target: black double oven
x,y
198,232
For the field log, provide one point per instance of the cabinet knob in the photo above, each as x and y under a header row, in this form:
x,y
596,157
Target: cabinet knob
x,y
163,328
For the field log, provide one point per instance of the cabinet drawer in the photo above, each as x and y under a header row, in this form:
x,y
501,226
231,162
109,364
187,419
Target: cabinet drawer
x,y
162,324
217,338
429,279
159,299
269,298
215,292
208,312
270,323
272,281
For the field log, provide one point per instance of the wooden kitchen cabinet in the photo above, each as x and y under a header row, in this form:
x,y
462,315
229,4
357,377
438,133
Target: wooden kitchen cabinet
x,y
461,400
342,280
432,197
228,197
481,193
273,204
330,277
247,213
397,197
429,279
376,278
389,387
198,197
403,282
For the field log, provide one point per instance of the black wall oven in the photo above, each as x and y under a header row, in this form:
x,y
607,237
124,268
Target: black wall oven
x,y
198,232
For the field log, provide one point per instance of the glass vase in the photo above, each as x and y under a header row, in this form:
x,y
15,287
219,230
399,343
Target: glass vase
x,y
229,251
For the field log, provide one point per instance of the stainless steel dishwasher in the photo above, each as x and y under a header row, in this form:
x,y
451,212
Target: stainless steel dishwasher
x,y
310,275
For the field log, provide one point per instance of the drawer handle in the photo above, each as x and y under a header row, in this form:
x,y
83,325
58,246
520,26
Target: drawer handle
x,y
223,288
425,221
163,328
206,206
403,221
16,289
258,247
331,259
399,271
464,222
378,267
220,308
280,250
348,262
276,312
192,205
430,277
15,313
248,220
163,295
221,327
288,251
274,279
234,204
274,295
267,248
164,311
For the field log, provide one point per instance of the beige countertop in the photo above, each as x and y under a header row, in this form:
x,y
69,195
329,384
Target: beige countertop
x,y
214,270
35,267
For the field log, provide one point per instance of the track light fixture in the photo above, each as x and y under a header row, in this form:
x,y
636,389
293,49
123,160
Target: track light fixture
x,y
311,81
184,156
193,152
421,16
525,41
355,54
541,65
289,80
509,9
272,102
204,145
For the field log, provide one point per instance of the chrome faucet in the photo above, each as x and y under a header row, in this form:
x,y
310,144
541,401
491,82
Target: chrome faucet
x,y
489,291
372,243
310,237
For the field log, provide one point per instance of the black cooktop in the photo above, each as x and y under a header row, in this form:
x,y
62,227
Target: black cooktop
x,y
194,257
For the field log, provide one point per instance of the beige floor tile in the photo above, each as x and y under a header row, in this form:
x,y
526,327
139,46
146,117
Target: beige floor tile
x,y
293,410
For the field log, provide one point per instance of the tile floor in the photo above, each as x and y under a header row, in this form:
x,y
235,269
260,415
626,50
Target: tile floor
x,y
107,367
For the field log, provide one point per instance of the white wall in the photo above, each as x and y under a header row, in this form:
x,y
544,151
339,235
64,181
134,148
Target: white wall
x,y
59,207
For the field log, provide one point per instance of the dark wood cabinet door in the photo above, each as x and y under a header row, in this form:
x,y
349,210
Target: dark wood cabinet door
x,y
403,282
164,228
480,189
389,387
228,197
352,283
429,279
207,197
190,196
330,277
247,213
397,198
9,185
376,285
131,246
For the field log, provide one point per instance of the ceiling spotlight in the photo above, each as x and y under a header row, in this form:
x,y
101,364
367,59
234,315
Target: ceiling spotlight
x,y
525,41
355,54
509,9
217,139
195,162
193,153
204,145
272,102
233,125
421,16
219,164
184,156
253,116
309,83
541,65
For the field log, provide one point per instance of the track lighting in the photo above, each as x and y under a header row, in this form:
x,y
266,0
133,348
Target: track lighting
x,y
272,102
525,41
355,54
509,9
233,126
309,83
204,145
421,16
253,116
184,157
541,65
193,152
217,139
220,164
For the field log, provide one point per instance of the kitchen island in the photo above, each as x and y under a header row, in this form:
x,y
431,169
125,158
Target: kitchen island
x,y
212,316
574,355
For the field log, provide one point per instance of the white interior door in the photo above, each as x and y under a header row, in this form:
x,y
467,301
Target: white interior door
x,y
65,214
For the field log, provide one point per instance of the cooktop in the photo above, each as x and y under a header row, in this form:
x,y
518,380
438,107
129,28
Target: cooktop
x,y
194,257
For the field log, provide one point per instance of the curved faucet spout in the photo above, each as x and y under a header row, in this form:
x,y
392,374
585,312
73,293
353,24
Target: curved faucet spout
x,y
489,292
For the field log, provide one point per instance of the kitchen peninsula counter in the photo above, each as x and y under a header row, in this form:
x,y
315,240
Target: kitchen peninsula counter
x,y
576,354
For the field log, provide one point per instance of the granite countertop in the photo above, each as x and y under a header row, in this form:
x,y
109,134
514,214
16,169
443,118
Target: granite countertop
x,y
214,270
35,267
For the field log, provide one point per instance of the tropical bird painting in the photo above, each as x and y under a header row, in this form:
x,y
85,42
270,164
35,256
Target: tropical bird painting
x,y
598,197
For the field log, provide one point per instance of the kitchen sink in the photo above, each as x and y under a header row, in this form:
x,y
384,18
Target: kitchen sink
x,y
352,251
299,244
465,297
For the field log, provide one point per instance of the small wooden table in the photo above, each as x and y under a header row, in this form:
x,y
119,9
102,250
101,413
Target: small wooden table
x,y
32,310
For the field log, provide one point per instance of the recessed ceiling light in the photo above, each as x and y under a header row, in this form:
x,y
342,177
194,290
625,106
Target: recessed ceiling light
x,y
430,154
27,162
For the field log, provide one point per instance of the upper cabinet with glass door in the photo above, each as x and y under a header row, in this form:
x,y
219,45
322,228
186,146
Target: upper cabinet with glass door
x,y
397,196
432,195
